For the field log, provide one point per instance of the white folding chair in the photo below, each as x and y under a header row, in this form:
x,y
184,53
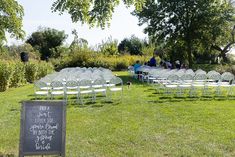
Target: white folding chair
x,y
211,86
71,88
115,86
57,89
172,85
225,83
198,84
186,83
98,86
85,90
41,89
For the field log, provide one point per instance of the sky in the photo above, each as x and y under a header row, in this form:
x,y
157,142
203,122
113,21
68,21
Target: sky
x,y
37,13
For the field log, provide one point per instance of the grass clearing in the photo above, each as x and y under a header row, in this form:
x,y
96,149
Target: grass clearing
x,y
142,124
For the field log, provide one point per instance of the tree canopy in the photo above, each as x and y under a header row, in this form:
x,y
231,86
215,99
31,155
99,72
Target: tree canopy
x,y
133,46
46,41
11,14
189,24
94,12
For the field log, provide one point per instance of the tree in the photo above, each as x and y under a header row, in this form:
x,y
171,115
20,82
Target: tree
x,y
109,47
94,12
226,46
46,41
78,42
11,14
190,23
132,46
15,50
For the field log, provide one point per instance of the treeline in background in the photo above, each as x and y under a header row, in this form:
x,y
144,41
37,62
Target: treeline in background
x,y
47,52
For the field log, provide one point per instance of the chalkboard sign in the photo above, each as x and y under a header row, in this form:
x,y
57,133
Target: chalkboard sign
x,y
42,128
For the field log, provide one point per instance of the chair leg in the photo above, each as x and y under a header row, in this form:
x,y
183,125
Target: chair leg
x,y
47,96
77,101
105,95
66,97
81,99
94,97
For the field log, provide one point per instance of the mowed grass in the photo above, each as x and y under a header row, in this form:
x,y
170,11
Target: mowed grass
x,y
144,123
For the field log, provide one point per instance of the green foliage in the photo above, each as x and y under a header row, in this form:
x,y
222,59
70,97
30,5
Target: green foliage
x,y
18,77
148,50
132,46
15,73
44,68
14,51
109,47
47,41
88,58
31,71
78,42
11,19
217,67
114,63
6,71
12,74
190,25
35,70
95,13
225,68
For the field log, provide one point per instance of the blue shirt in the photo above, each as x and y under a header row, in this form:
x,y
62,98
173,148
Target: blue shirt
x,y
152,62
136,67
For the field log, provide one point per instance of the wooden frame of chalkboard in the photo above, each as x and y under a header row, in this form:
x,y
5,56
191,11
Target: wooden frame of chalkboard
x,y
43,128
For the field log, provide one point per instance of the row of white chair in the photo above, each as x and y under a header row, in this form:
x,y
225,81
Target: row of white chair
x,y
200,82
75,74
79,88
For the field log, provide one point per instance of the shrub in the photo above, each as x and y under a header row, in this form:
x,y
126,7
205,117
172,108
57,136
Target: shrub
x,y
84,57
35,70
121,65
132,46
233,69
44,68
15,74
18,78
31,70
109,47
226,68
6,72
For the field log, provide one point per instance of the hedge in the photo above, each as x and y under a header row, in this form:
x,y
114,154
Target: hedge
x,y
16,73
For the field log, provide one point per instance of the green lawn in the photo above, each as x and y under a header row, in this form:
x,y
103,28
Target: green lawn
x,y
143,124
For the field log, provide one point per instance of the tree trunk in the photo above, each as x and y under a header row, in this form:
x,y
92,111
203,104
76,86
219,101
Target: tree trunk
x,y
223,55
223,51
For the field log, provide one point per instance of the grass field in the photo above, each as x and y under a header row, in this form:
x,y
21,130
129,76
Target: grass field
x,y
143,124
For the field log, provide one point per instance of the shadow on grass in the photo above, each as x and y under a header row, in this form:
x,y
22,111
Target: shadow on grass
x,y
97,105
14,110
165,99
92,104
149,90
152,96
231,98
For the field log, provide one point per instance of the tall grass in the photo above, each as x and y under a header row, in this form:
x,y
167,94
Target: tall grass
x,y
89,58
16,73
